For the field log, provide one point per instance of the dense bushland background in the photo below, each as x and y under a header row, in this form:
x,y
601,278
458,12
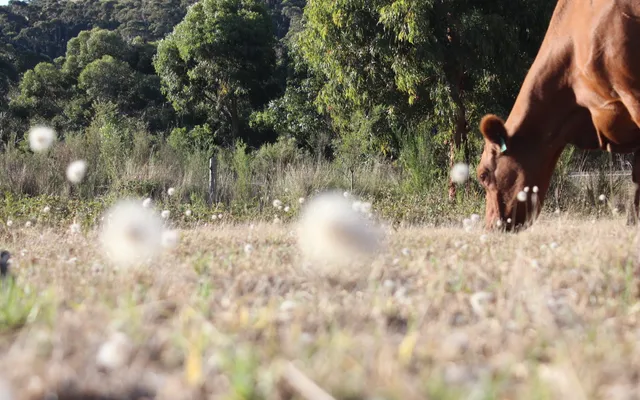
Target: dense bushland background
x,y
377,97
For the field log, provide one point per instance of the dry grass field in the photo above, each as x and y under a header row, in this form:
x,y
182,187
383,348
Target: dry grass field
x,y
235,312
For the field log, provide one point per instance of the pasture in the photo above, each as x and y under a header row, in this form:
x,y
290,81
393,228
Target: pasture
x,y
235,312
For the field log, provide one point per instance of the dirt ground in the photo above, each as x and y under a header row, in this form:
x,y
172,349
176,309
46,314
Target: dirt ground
x,y
235,312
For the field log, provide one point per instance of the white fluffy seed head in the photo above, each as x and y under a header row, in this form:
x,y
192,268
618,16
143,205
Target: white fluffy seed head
x,y
131,235
188,213
74,228
41,138
301,200
165,214
27,224
535,189
508,220
46,209
475,218
9,223
115,352
277,203
171,191
460,173
146,203
526,189
332,230
220,216
602,197
214,217
287,209
522,196
76,171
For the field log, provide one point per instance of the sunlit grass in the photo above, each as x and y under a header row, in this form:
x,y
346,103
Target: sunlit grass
x,y
548,313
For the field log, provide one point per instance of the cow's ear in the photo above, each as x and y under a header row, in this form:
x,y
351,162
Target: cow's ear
x,y
492,128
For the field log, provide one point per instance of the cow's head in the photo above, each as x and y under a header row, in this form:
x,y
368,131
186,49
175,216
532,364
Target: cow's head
x,y
510,164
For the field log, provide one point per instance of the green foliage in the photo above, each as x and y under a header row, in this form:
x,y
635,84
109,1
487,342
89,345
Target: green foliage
x,y
217,63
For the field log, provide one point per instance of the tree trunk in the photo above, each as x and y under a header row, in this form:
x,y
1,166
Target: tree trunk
x,y
460,133
235,123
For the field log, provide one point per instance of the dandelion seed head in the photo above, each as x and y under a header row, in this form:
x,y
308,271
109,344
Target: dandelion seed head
x,y
132,235
526,189
165,214
9,223
333,230
76,171
146,203
287,209
220,216
301,200
27,224
346,195
522,196
277,203
74,228
535,189
171,191
248,248
602,197
46,209
508,220
188,213
460,173
41,138
475,218
214,217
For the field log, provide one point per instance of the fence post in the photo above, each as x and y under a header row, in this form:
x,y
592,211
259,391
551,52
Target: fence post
x,y
213,176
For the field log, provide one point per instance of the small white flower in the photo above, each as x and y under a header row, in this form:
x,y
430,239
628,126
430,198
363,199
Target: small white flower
x,y
187,213
535,189
9,223
526,189
41,138
214,217
508,220
169,239
277,203
46,209
460,173
279,208
27,224
76,171
171,191
248,248
287,209
522,197
346,195
301,200
146,203
602,198
219,216
165,214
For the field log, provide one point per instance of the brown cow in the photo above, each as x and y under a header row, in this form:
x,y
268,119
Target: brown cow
x,y
583,89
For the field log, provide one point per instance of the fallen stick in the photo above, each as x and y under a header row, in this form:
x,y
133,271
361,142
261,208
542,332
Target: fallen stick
x,y
304,386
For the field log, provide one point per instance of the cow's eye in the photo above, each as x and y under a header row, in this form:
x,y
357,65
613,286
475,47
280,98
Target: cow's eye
x,y
483,176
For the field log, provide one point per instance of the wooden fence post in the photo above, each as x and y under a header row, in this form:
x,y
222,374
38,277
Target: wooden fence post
x,y
213,177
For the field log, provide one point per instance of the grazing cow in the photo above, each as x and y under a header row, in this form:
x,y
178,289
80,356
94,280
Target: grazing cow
x,y
583,89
